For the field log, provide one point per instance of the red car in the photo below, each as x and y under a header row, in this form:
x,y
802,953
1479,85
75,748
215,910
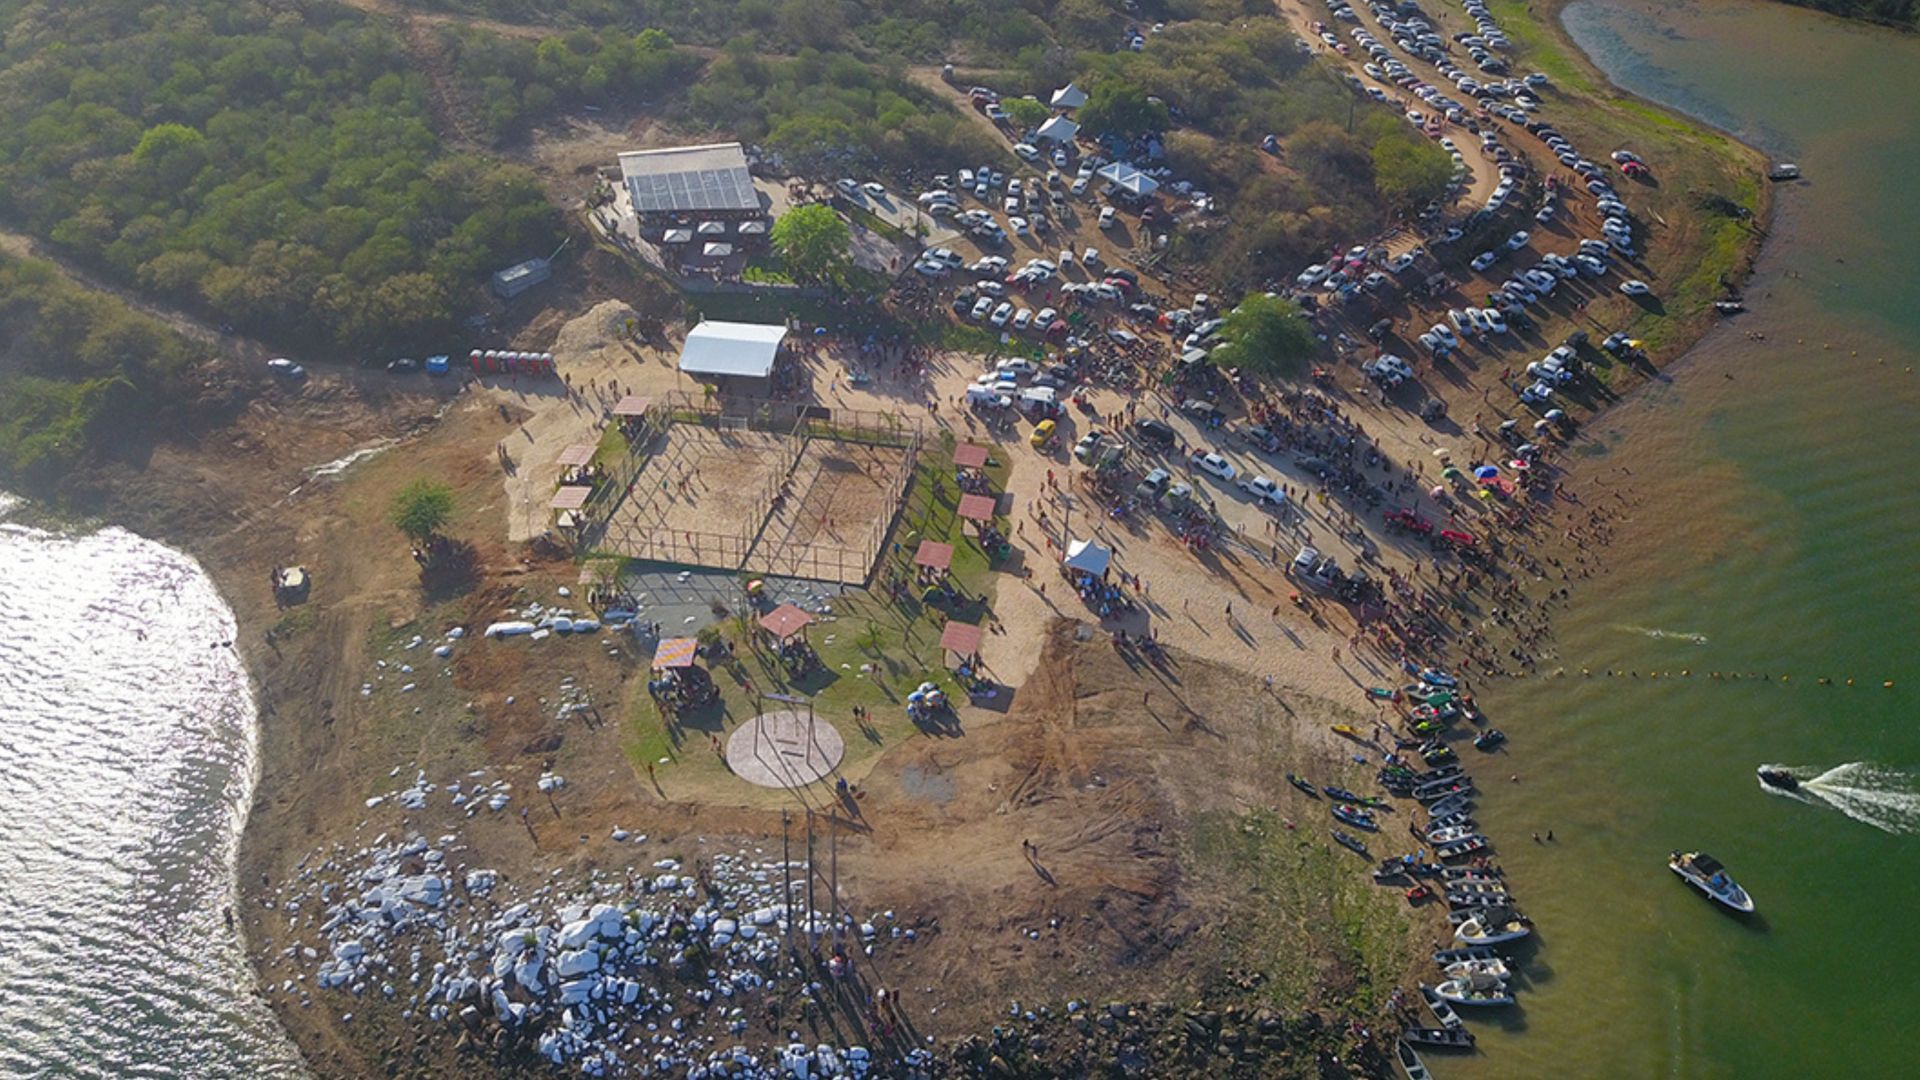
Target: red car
x,y
1458,539
1410,521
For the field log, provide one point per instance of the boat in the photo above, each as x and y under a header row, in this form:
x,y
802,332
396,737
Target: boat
x,y
1341,794
1488,930
1355,817
1303,785
1452,804
1439,755
1494,967
1469,873
1467,898
1448,834
1458,848
1442,1011
1350,842
1436,677
1474,990
1350,732
1729,307
1704,872
1410,1062
1778,778
1449,820
1440,789
1489,739
1452,770
1382,693
1453,956
1488,891
1444,1038
1783,170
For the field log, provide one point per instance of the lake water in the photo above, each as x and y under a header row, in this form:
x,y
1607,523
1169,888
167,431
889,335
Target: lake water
x,y
1778,536
126,756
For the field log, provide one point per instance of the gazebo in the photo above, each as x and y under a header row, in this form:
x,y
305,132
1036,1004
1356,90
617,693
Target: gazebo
x,y
577,455
934,558
674,653
631,405
963,641
785,623
677,681
566,504
1087,558
980,509
970,456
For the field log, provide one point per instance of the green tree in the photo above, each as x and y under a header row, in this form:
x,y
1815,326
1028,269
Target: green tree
x,y
1267,334
421,508
1025,112
1410,172
1121,109
813,241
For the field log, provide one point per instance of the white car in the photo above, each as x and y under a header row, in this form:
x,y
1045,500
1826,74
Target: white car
x,y
1312,275
1015,368
1400,264
1635,287
930,268
875,190
982,308
1518,240
1462,323
946,257
1214,464
1484,260
1045,318
1027,151
1263,490
1090,257
989,264
1002,313
1066,256
1446,336
1012,204
1106,217
1022,319
1018,225
1496,322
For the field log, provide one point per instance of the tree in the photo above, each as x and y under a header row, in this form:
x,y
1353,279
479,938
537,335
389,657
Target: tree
x,y
421,508
1267,334
1410,172
813,242
1025,112
1121,109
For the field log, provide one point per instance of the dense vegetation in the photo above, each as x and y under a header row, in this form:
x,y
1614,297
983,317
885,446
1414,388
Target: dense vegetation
x,y
275,167
516,82
1904,13
78,365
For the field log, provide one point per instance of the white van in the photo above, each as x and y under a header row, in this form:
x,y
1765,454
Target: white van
x,y
984,395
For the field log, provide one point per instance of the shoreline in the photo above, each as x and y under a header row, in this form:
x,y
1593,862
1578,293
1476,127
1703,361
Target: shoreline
x,y
286,701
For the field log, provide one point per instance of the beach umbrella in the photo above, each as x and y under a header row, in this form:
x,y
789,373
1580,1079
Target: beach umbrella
x,y
1452,473
1518,465
1486,472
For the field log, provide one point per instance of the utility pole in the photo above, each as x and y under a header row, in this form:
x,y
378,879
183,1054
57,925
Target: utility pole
x,y
833,878
786,874
813,944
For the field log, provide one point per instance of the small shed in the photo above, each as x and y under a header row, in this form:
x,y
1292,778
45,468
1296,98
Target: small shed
x,y
517,279
733,356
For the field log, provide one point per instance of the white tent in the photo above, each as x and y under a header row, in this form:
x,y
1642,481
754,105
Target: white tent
x,y
1059,129
1087,557
1129,179
717,251
1069,97
712,228
677,236
728,348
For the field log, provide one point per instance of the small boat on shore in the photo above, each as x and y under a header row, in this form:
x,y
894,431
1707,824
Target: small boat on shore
x,y
1341,794
1449,820
1436,677
1455,1038
1489,739
1779,779
1351,842
1469,873
1474,990
1440,789
1442,1011
1355,817
1350,732
1704,872
1303,785
1452,804
1494,967
1488,892
1458,848
1729,307
1444,957
1783,170
1448,834
1485,929
1410,1062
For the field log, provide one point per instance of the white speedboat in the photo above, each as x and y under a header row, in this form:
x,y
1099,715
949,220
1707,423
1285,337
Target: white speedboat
x,y
1475,990
1704,872
1448,834
1474,931
1464,969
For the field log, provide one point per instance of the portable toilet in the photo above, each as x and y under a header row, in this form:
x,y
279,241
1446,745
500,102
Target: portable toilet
x,y
436,365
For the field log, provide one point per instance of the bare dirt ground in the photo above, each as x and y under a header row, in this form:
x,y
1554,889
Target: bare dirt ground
x,y
842,497
699,480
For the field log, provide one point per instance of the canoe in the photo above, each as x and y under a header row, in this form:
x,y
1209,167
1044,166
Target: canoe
x,y
1410,1062
1441,1037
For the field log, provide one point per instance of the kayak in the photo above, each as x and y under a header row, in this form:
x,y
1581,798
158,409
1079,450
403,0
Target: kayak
x,y
1349,731
1382,693
1303,785
1341,794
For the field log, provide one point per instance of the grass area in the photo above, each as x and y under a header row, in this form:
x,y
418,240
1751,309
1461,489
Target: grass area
x,y
874,650
613,447
1307,917
428,724
295,622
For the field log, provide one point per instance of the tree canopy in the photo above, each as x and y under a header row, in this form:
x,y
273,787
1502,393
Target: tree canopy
x,y
1121,108
421,509
1025,112
1269,335
812,240
1410,171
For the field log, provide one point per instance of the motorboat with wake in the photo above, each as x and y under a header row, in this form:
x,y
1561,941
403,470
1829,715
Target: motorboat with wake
x,y
1474,990
1778,778
1704,872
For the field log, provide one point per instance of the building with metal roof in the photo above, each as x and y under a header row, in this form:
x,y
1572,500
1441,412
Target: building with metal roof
x,y
681,180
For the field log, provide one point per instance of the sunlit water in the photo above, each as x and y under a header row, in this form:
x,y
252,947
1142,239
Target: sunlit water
x,y
1774,543
126,757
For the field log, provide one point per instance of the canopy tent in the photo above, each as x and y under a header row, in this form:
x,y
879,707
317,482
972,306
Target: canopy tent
x,y
978,507
934,555
675,652
730,348
970,456
631,405
1069,97
572,497
712,228
785,621
961,639
1128,179
717,251
578,454
677,236
752,228
1059,129
1087,557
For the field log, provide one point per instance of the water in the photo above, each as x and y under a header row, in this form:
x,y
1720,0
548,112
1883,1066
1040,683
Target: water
x,y
1775,546
126,756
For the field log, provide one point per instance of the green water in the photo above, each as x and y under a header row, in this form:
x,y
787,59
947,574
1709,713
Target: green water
x,y
1777,530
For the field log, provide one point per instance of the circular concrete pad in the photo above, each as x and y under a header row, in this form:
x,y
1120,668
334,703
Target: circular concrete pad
x,y
783,749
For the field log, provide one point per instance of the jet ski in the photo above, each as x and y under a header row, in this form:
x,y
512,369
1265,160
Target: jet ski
x,y
1778,778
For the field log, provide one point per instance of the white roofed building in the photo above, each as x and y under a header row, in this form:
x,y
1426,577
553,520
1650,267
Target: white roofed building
x,y
736,357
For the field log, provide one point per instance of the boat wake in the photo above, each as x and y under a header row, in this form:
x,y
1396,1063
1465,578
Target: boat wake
x,y
1885,798
1677,635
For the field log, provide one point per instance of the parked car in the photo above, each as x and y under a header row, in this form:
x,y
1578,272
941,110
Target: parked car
x,y
1263,490
1154,431
1212,464
1635,287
